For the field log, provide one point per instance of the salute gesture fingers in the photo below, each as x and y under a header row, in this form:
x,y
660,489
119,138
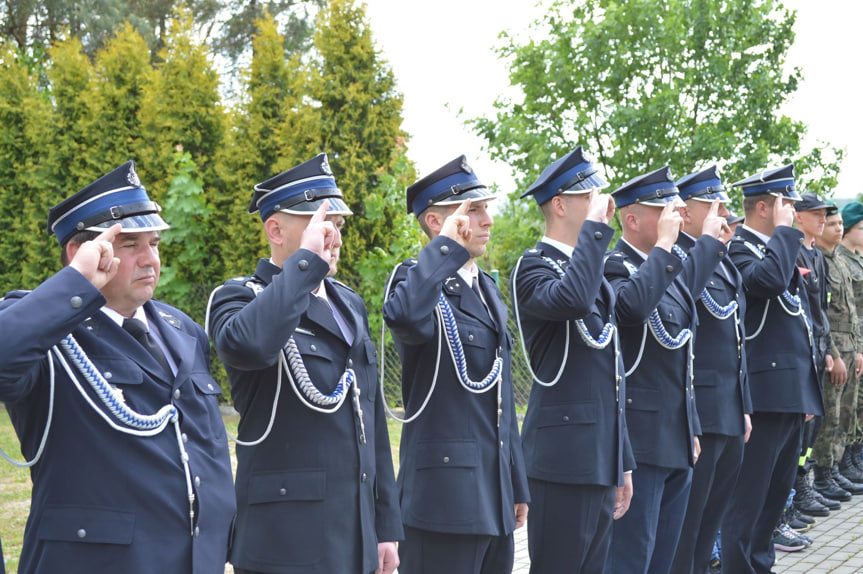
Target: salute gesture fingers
x,y
601,207
457,224
669,226
95,259
715,225
783,212
320,235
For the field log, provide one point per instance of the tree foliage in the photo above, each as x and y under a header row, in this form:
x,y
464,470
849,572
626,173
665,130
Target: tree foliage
x,y
686,83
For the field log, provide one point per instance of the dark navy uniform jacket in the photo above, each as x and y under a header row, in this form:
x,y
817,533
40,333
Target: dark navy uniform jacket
x,y
782,375
721,381
106,501
312,497
660,402
575,431
460,472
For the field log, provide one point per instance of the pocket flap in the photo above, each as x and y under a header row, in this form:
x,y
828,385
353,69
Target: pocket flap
x,y
642,399
88,525
282,486
447,454
119,371
567,414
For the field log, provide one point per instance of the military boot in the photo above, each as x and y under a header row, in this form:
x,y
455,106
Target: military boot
x,y
848,469
826,485
804,499
857,455
844,483
832,505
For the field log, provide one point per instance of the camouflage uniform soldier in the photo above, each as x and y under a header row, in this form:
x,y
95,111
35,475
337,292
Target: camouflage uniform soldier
x,y
849,253
840,387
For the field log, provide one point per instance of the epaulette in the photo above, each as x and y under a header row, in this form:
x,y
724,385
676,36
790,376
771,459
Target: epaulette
x,y
533,252
337,282
247,281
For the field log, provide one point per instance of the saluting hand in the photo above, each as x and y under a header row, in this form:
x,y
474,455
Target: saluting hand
x,y
783,212
601,207
457,224
669,226
95,259
320,235
715,225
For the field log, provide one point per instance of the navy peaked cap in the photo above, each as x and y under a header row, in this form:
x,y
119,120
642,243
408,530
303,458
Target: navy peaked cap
x,y
655,188
448,185
116,197
733,218
810,202
703,185
572,174
301,190
778,181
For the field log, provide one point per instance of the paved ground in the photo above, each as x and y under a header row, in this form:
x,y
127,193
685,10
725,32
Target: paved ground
x,y
837,546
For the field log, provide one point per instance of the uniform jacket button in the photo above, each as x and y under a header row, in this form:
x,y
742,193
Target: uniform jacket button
x,y
313,347
350,362
772,364
177,394
283,491
445,459
197,531
629,401
364,477
444,249
197,481
669,268
81,533
597,235
303,265
565,419
76,302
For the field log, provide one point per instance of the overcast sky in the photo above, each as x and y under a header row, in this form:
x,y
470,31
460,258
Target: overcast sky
x,y
442,56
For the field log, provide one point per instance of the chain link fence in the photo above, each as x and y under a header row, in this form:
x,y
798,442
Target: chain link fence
x,y
389,357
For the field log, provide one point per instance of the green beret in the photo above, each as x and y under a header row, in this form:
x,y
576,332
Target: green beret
x,y
852,214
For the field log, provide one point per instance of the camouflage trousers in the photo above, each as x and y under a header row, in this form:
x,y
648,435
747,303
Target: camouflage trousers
x,y
840,426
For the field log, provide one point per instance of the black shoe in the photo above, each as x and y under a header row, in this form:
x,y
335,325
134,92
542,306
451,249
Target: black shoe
x,y
826,485
804,498
844,483
848,469
831,505
794,512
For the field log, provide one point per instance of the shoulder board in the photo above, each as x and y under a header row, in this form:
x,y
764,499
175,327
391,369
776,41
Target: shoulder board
x,y
757,250
250,282
533,252
622,259
339,283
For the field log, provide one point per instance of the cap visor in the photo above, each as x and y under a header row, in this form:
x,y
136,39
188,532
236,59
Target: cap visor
x,y
708,198
134,224
590,183
477,193
661,201
336,206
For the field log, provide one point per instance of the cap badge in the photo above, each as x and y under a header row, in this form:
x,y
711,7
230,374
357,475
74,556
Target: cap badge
x,y
132,177
325,166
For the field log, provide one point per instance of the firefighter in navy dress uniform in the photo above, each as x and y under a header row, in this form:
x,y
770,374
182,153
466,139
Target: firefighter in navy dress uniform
x,y
574,436
653,281
462,482
721,387
780,357
134,476
315,482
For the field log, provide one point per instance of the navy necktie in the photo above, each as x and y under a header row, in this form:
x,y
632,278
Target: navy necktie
x,y
137,329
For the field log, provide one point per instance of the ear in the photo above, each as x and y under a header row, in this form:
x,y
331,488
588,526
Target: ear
x,y
558,205
434,221
71,249
631,221
684,213
273,229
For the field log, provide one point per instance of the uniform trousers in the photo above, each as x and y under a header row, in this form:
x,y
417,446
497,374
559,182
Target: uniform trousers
x,y
645,538
766,477
570,526
427,552
713,481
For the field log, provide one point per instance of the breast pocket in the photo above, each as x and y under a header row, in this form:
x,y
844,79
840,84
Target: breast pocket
x,y
284,522
446,482
118,371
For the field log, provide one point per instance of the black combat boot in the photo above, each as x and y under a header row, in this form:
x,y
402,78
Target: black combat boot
x,y
848,469
844,483
804,499
826,485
